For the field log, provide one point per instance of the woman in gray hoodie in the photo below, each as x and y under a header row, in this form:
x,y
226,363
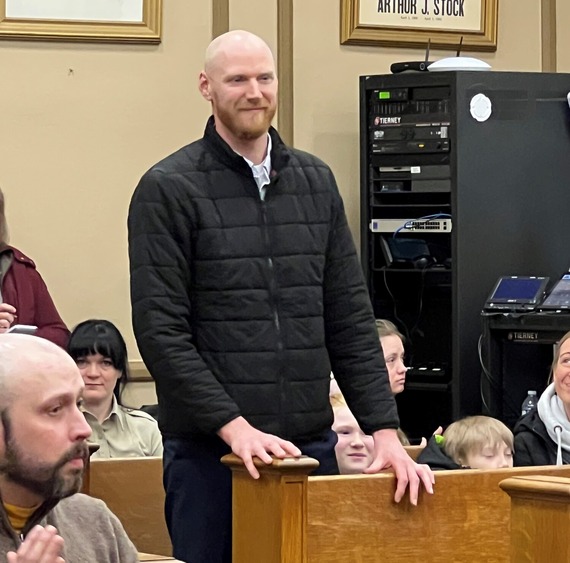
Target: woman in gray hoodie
x,y
542,437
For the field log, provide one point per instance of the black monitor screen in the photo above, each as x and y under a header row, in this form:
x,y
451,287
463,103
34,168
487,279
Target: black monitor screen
x,y
560,295
518,290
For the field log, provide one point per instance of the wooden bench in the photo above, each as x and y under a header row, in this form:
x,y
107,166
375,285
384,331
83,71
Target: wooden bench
x,y
132,489
414,451
288,517
150,557
540,518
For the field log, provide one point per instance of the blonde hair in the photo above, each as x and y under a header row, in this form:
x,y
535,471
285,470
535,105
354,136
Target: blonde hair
x,y
388,328
557,355
473,433
338,401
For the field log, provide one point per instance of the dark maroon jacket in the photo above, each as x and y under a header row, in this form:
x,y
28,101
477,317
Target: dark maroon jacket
x,y
24,289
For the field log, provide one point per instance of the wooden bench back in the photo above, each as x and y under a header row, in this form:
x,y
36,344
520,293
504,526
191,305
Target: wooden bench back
x,y
414,451
132,489
540,518
353,519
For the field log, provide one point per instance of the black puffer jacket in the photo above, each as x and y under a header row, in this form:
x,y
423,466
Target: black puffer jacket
x,y
533,445
239,303
434,456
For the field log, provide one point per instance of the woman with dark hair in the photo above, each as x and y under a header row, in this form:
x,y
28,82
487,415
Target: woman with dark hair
x,y
100,352
24,297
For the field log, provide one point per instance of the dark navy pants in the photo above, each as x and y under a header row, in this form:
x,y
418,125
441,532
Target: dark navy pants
x,y
199,494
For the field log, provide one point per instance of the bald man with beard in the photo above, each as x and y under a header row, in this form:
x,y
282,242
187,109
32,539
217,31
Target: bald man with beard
x,y
246,290
43,452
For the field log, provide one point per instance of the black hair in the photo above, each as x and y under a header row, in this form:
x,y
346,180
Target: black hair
x,y
96,336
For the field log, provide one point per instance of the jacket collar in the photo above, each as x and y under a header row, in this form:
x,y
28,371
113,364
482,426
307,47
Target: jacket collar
x,y
280,153
41,512
115,413
5,263
17,254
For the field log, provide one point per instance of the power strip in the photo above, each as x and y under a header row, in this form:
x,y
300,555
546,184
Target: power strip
x,y
410,225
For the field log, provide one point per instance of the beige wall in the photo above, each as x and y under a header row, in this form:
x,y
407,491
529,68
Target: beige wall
x,y
81,123
138,393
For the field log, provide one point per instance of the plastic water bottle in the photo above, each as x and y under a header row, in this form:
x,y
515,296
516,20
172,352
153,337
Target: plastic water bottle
x,y
529,403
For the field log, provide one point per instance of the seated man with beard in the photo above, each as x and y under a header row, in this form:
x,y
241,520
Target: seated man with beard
x,y
43,452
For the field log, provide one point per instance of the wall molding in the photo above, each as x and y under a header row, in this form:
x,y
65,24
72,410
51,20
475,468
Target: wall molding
x,y
220,17
548,35
285,103
138,371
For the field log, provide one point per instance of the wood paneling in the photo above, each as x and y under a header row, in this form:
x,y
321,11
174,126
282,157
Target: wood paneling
x,y
285,70
548,35
220,17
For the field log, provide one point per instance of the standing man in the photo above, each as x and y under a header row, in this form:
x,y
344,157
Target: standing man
x,y
43,452
246,289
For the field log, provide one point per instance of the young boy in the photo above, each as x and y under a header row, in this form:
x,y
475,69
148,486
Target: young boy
x,y
475,442
354,449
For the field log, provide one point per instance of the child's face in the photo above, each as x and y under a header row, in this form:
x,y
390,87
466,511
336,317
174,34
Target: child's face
x,y
354,449
490,457
393,349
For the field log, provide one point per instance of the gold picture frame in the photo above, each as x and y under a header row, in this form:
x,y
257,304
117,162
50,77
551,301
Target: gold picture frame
x,y
148,30
412,23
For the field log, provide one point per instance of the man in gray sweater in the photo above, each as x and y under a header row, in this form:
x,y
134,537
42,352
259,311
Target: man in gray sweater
x,y
43,452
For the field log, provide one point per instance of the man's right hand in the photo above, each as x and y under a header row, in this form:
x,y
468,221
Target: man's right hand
x,y
42,545
247,442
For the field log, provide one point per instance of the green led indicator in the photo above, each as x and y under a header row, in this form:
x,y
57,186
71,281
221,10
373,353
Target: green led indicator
x,y
383,95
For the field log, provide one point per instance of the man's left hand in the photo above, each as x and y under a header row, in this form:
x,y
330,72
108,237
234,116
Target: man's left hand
x,y
388,452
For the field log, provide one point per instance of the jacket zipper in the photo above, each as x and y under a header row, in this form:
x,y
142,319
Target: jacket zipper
x,y
273,297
